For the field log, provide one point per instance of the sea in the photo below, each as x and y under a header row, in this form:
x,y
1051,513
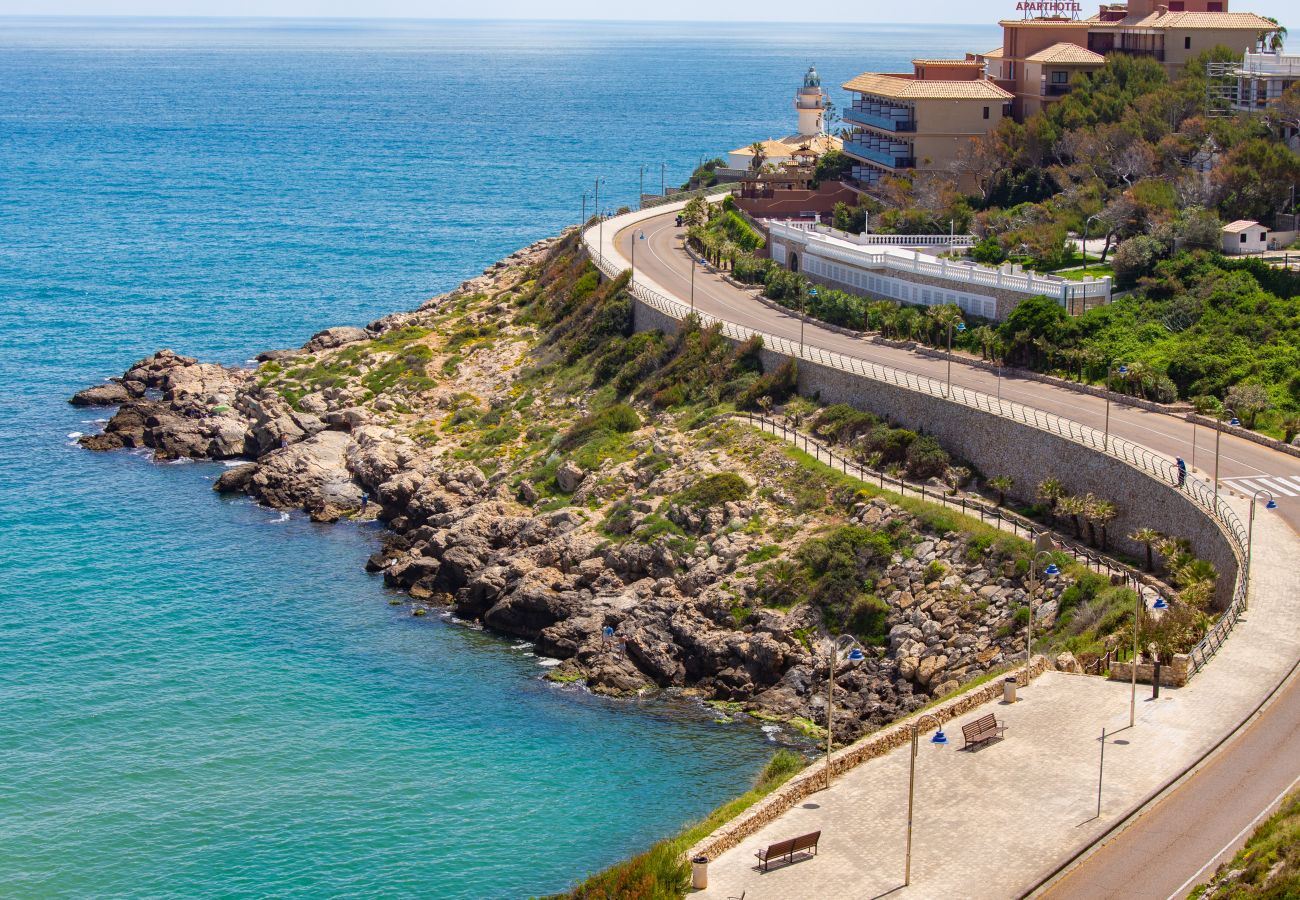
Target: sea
x,y
200,697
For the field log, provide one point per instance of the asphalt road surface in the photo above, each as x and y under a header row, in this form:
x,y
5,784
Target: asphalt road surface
x,y
1178,841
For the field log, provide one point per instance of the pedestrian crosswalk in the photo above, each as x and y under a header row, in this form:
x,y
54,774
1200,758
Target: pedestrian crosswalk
x,y
1278,485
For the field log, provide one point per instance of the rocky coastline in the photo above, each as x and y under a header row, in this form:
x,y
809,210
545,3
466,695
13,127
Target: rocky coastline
x,y
658,548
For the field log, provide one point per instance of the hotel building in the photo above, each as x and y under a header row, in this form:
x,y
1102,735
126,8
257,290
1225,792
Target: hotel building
x,y
920,120
1036,65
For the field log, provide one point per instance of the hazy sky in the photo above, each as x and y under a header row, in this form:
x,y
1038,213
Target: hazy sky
x,y
930,11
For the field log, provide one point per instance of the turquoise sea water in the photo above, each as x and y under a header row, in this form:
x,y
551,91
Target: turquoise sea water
x,y
199,697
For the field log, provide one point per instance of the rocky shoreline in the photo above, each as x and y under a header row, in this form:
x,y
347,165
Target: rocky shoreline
x,y
653,556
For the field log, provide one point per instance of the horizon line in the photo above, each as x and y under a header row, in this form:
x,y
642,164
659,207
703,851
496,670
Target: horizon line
x,y
383,18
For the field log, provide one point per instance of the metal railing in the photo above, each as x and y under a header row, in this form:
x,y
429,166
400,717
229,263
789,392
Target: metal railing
x,y
1149,462
651,202
966,273
966,504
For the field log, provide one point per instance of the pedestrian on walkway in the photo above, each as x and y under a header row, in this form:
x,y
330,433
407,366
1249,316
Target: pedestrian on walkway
x,y
1182,472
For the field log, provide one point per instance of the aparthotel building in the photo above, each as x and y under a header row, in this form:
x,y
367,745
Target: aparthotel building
x,y
1035,64
920,120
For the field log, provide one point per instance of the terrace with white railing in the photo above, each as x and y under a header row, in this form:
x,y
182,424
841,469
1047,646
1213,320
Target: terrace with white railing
x,y
852,250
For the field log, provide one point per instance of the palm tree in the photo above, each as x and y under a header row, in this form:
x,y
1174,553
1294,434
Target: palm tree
x,y
944,318
760,157
1073,507
1001,484
1103,512
1277,37
985,337
879,311
1147,538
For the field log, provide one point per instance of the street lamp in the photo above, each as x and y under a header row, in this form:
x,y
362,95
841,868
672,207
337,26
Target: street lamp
x,y
641,189
1084,245
961,326
663,168
1250,529
583,223
693,261
1218,433
639,236
803,313
846,645
1138,606
1123,370
1051,571
600,238
939,741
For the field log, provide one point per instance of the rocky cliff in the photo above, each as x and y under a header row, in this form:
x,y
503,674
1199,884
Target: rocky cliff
x,y
543,470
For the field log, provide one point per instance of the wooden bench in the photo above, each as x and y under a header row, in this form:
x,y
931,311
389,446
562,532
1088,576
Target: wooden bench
x,y
786,850
985,728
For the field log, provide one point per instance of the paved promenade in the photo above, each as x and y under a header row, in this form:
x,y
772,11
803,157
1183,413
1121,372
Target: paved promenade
x,y
991,823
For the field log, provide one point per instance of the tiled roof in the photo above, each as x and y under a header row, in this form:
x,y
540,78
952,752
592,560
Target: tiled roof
x,y
1066,53
945,62
1239,225
1193,20
995,53
904,88
1039,23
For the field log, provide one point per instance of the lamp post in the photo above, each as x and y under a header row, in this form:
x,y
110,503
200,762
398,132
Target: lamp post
x,y
803,314
1051,570
693,261
1123,370
641,189
847,645
639,236
584,210
1084,245
1218,434
1138,606
939,741
961,326
1250,529
600,238
663,168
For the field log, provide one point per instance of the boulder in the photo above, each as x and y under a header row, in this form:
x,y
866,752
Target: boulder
x,y
1066,662
335,337
110,393
235,479
569,476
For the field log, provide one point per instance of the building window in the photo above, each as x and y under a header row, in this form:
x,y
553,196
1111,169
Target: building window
x,y
1243,237
1177,6
986,112
1060,78
1214,7
1263,235
1187,43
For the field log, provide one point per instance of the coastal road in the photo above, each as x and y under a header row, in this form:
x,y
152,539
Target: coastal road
x,y
1177,842
1243,465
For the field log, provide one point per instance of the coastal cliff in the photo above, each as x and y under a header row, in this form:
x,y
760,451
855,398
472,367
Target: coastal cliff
x,y
545,471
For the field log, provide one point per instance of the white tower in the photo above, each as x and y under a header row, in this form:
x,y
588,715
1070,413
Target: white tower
x,y
810,102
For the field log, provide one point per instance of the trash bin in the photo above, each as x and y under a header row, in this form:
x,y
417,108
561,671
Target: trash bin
x,y
1009,690
700,873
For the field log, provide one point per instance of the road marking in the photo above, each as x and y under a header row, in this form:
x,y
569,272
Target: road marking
x,y
1274,484
1180,892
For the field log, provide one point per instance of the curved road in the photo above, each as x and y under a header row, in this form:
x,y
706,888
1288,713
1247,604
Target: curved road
x,y
1164,851
1242,463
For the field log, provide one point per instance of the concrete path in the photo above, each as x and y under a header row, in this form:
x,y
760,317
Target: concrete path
x,y
993,823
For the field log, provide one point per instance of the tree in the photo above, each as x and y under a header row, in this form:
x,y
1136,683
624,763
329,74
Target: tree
x,y
1073,507
1248,400
1147,538
696,212
1255,178
1136,258
759,156
1001,484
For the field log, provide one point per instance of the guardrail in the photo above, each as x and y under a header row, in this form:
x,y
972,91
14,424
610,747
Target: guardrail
x,y
878,239
1148,461
681,195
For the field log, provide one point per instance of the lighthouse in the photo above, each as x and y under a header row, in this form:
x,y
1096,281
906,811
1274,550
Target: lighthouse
x,y
810,103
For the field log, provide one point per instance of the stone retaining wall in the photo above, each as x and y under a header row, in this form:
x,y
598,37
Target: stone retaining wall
x,y
1174,674
1001,446
813,778
1254,436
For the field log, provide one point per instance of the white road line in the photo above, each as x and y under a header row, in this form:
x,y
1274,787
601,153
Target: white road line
x,y
1242,483
1267,810
1276,484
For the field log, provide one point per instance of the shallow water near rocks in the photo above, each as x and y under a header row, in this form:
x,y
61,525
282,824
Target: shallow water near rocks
x,y
203,697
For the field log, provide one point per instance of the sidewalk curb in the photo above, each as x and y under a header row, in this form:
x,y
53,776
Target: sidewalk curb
x,y
1050,878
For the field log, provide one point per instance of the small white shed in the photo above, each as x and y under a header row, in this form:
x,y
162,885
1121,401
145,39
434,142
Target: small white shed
x,y
1244,236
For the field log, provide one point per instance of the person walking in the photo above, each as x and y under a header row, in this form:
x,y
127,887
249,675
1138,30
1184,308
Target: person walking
x,y
1182,472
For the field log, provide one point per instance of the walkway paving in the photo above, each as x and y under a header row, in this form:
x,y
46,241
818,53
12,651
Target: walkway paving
x,y
991,823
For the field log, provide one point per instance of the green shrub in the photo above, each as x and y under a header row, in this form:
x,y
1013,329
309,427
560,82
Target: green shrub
x,y
926,459
617,419
713,490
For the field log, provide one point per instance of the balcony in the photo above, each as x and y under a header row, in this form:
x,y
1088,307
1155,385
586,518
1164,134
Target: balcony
x,y
895,157
857,115
1158,54
1055,90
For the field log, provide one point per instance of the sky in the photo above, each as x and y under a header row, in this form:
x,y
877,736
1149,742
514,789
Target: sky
x,y
929,11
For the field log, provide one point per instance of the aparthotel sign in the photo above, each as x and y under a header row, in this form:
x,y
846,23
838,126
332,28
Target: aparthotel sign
x,y
1048,6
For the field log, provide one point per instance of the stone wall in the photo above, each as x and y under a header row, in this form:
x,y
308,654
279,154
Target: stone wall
x,y
1001,446
1175,674
813,778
